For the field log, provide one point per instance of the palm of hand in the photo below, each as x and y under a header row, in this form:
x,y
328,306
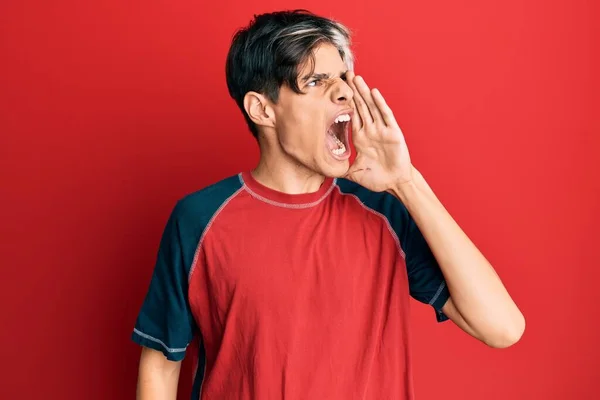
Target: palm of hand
x,y
382,159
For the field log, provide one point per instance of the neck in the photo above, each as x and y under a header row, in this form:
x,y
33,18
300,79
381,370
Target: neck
x,y
278,171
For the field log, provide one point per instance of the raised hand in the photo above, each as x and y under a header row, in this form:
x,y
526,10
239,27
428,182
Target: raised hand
x,y
382,161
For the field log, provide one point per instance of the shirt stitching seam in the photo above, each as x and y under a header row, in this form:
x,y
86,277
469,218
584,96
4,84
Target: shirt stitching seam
x,y
286,205
377,213
438,293
206,230
169,349
396,239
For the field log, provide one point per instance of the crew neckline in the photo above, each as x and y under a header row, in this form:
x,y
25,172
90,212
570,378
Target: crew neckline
x,y
275,197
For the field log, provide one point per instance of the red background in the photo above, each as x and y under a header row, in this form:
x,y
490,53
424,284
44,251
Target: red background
x,y
110,111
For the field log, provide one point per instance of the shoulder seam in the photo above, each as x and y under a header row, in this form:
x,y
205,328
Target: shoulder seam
x,y
207,228
380,215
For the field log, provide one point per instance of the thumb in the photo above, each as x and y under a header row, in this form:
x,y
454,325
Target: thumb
x,y
354,172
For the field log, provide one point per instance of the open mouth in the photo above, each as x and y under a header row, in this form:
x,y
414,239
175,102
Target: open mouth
x,y
337,135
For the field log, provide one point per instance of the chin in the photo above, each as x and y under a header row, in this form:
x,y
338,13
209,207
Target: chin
x,y
338,172
335,166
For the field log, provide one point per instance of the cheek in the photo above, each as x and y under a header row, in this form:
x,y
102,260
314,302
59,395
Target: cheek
x,y
302,134
300,126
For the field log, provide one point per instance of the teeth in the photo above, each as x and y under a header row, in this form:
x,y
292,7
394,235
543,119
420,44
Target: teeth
x,y
341,147
340,151
342,118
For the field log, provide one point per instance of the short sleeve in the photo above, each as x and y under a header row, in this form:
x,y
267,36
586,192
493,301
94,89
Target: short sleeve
x,y
165,322
426,281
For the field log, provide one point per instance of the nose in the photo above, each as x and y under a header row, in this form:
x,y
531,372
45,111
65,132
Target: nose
x,y
341,93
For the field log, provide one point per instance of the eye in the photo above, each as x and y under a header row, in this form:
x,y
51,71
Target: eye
x,y
313,83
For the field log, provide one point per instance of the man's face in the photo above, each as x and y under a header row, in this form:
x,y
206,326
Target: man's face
x,y
313,128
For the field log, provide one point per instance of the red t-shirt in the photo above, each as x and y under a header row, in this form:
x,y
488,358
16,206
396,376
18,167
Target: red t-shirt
x,y
290,296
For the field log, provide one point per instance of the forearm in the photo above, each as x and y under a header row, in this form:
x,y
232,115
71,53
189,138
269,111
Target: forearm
x,y
476,291
158,378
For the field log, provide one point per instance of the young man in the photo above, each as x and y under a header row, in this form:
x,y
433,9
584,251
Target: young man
x,y
295,277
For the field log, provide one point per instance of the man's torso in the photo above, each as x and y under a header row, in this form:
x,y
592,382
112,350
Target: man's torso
x,y
301,300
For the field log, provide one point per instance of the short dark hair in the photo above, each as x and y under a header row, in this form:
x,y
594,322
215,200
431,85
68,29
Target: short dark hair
x,y
269,52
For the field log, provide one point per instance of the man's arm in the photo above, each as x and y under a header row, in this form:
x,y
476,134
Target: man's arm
x,y
165,326
479,303
157,377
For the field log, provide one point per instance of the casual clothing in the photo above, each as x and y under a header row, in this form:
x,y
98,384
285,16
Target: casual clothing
x,y
290,296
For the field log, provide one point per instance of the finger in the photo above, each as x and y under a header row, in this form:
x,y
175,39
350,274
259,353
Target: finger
x,y
361,105
356,121
354,174
386,112
365,94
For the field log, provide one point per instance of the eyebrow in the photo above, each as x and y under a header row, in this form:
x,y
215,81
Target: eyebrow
x,y
322,76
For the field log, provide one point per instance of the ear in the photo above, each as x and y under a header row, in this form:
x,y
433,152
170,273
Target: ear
x,y
259,109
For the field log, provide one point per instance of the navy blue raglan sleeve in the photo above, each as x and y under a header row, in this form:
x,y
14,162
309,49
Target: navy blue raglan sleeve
x,y
165,322
426,281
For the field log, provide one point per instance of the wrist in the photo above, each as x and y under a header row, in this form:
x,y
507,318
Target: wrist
x,y
406,189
